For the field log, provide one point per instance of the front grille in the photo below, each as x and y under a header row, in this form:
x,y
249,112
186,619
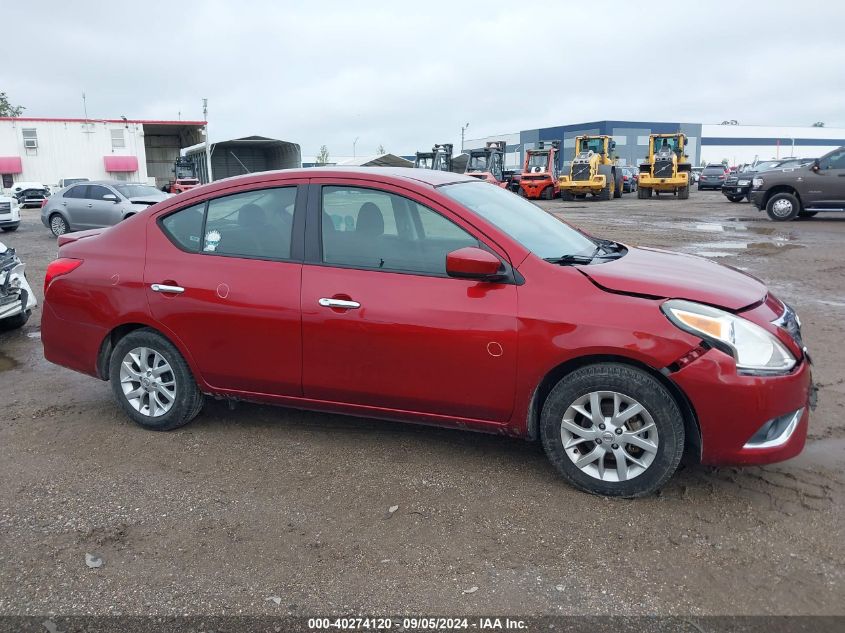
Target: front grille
x,y
731,181
5,207
663,169
581,171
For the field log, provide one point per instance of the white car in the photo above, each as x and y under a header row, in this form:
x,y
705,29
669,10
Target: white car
x,y
16,297
10,214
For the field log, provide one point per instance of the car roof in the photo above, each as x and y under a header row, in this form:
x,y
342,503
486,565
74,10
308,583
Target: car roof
x,y
426,176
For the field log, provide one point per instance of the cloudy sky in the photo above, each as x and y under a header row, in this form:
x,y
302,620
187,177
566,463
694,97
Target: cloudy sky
x,y
409,74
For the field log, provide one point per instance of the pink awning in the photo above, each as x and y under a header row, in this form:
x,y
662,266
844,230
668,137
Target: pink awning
x,y
121,163
10,165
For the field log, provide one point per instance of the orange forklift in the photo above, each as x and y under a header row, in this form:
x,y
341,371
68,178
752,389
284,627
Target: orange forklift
x,y
540,172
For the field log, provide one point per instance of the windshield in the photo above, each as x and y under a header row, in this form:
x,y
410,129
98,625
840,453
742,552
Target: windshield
x,y
541,233
425,162
764,165
540,160
592,144
664,145
715,169
478,162
136,191
185,171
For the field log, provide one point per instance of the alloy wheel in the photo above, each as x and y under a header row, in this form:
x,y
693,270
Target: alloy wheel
x,y
58,225
782,208
147,381
609,436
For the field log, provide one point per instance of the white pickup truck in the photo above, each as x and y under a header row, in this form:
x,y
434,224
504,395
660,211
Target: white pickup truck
x,y
16,297
10,215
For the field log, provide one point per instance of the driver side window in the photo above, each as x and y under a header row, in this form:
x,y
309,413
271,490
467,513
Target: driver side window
x,y
834,161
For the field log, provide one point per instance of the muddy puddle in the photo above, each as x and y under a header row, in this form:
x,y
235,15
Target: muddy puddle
x,y
7,362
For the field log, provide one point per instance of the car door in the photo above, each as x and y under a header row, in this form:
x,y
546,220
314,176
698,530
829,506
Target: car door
x,y
382,323
223,276
826,185
96,210
74,200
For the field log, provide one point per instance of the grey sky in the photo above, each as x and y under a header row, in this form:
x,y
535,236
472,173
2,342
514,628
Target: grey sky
x,y
409,75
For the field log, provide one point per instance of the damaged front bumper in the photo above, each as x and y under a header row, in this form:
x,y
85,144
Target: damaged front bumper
x,y
16,296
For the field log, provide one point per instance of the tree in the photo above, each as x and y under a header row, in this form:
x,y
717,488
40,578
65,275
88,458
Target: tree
x,y
323,156
381,149
7,109
818,124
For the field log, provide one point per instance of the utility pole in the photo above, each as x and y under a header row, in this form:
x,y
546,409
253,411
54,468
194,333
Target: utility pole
x,y
463,130
207,140
354,143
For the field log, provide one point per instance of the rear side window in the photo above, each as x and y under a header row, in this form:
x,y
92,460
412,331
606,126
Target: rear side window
x,y
184,227
252,224
76,192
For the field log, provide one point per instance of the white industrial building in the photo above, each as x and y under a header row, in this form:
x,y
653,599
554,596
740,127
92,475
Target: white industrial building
x,y
707,143
47,150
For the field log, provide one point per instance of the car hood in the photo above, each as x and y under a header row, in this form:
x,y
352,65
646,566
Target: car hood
x,y
657,273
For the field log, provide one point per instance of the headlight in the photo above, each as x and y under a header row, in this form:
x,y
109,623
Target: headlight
x,y
757,183
742,183
754,349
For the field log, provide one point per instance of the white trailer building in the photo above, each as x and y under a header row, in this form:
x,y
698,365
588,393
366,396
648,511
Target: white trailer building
x,y
47,150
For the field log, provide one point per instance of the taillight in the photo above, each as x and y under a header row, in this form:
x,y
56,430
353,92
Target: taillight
x,y
59,267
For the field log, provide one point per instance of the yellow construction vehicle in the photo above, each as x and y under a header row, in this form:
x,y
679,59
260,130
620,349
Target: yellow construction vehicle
x,y
667,168
593,170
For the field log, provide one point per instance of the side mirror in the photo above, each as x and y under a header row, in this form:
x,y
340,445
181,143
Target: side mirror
x,y
816,165
472,262
112,197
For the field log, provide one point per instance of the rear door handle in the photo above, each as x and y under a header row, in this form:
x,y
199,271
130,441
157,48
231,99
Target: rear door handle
x,y
339,303
165,288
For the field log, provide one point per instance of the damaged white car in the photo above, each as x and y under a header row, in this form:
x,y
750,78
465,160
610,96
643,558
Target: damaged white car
x,y
16,297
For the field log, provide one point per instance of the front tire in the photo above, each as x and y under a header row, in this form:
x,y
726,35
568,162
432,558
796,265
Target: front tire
x,y
10,229
736,198
152,382
783,207
15,322
612,429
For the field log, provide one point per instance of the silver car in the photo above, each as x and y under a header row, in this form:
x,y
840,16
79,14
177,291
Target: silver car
x,y
93,205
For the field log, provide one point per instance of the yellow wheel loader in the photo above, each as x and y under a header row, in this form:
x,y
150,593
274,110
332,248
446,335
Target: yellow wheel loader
x,y
667,168
593,170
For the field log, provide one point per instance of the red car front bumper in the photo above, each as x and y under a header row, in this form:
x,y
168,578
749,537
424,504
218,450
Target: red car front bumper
x,y
732,407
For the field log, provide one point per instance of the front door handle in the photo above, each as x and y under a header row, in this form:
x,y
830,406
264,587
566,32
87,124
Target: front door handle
x,y
165,288
339,303
90,205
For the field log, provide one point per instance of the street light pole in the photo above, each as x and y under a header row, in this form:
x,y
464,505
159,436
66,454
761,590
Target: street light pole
x,y
207,140
463,130
354,143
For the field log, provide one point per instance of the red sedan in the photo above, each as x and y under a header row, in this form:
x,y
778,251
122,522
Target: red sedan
x,y
430,297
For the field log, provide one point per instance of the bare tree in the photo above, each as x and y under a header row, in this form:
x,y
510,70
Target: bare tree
x,y
381,149
323,156
818,124
7,109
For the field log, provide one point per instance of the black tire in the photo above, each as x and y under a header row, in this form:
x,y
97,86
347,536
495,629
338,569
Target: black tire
x,y
700,188
566,196
636,385
643,194
187,401
581,196
783,207
736,198
15,322
58,225
683,193
607,192
548,193
10,229
617,190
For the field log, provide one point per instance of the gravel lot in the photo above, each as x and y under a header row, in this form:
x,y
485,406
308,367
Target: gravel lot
x,y
243,506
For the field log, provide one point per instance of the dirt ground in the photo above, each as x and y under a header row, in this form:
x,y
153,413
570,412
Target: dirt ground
x,y
264,510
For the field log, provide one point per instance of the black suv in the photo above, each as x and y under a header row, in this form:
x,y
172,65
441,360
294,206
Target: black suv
x,y
738,186
803,191
712,177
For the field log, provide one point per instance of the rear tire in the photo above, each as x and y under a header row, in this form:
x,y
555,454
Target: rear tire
x,y
617,189
683,193
649,444
566,196
152,383
783,207
608,191
642,194
10,229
